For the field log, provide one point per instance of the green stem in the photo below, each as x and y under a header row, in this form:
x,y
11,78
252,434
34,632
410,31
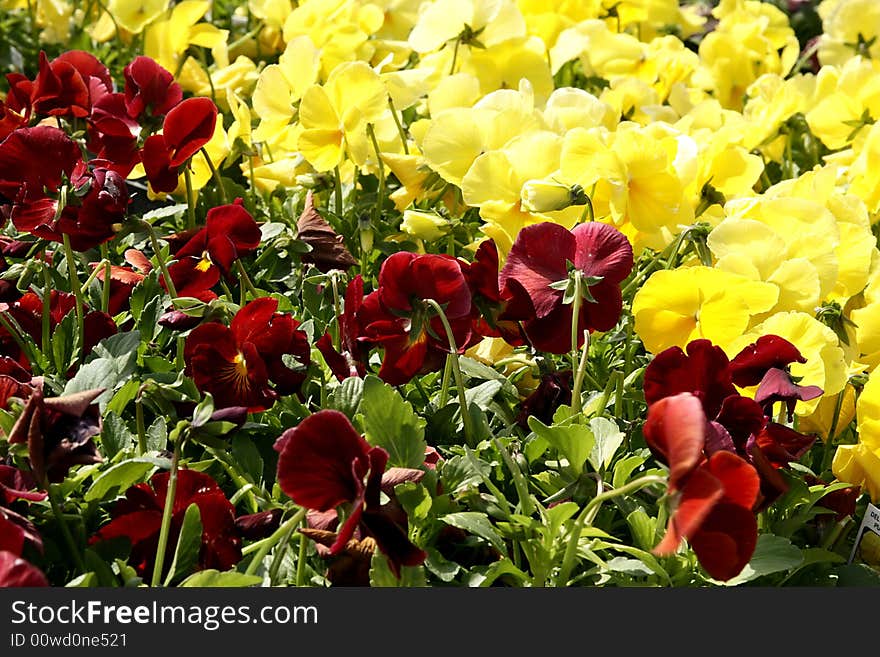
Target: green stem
x,y
380,194
91,279
527,506
140,424
278,558
454,57
301,561
217,178
575,318
167,513
12,327
579,376
154,241
190,200
467,420
588,512
47,305
245,280
65,530
337,190
263,547
77,292
337,311
444,382
399,125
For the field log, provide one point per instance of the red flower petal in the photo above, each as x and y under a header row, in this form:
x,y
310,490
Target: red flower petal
x,y
740,479
188,127
35,158
750,364
157,164
676,429
782,445
700,494
231,232
16,572
726,540
315,464
149,88
602,250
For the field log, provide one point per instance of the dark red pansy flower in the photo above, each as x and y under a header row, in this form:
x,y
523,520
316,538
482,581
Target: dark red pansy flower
x,y
15,572
188,126
16,484
778,386
149,88
113,134
703,371
237,363
259,525
58,432
17,533
60,90
713,498
138,518
553,391
324,463
351,360
157,165
397,317
781,444
28,313
34,162
229,232
15,380
540,259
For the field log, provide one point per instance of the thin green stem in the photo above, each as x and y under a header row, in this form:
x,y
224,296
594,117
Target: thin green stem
x,y
140,424
77,292
467,420
65,530
454,57
579,376
380,194
245,280
588,513
399,125
95,273
575,318
263,547
217,177
337,312
278,557
154,241
47,305
445,380
190,199
337,190
167,513
301,561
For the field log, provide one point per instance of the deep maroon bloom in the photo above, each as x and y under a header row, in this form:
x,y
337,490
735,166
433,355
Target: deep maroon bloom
x,y
352,361
714,497
139,518
324,463
58,432
553,391
236,363
17,533
230,232
149,88
16,572
15,380
540,259
187,128
397,316
258,525
16,484
113,134
69,84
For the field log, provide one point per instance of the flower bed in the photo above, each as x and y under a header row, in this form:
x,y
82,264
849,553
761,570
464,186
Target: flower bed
x,y
441,293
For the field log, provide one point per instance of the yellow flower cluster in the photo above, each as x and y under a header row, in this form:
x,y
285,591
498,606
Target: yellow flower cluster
x,y
470,103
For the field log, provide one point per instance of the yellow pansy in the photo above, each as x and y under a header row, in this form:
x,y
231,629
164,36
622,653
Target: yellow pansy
x,y
238,77
54,17
135,15
848,107
280,86
860,463
864,173
334,116
166,40
771,100
603,52
569,108
427,226
487,21
676,306
546,19
338,28
828,415
849,27
458,90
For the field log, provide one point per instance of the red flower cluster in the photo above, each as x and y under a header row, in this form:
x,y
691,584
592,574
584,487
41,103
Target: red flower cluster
x,y
722,448
17,532
237,363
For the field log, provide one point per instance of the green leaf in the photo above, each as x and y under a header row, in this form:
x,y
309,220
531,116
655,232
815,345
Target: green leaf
x,y
124,396
346,397
484,576
773,554
118,478
643,529
157,435
116,363
115,435
86,580
626,466
215,578
477,524
437,564
247,457
381,575
63,337
574,441
415,500
186,554
390,422
609,438
483,394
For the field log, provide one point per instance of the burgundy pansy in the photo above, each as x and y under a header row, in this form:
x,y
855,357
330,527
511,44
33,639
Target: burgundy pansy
x,y
713,498
397,316
187,128
15,572
324,464
150,89
17,533
16,484
138,518
229,232
58,432
351,359
237,363
69,84
540,260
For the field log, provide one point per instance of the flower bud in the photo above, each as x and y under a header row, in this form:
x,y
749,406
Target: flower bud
x,y
424,225
549,196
